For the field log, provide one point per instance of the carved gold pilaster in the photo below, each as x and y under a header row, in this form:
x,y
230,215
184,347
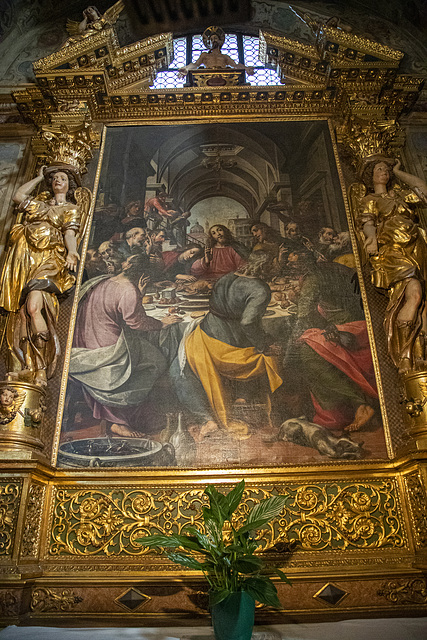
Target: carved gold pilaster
x,y
415,405
31,536
10,499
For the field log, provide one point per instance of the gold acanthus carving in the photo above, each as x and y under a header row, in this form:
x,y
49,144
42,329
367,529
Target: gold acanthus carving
x,y
413,591
361,139
418,506
330,516
10,495
33,521
8,604
48,600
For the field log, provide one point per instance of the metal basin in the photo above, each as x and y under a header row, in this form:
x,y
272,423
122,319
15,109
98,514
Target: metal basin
x,y
115,452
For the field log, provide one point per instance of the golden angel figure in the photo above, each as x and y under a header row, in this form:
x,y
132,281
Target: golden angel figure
x,y
386,216
39,266
93,22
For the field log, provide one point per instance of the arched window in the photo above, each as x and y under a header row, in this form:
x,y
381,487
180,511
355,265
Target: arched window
x,y
241,48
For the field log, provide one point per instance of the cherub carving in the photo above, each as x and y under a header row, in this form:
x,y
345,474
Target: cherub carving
x,y
11,401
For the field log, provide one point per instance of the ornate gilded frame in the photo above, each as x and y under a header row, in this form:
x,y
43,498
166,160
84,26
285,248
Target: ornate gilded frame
x,y
67,537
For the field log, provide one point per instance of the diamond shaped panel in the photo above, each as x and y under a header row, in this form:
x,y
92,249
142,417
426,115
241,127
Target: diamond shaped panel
x,y
132,599
331,594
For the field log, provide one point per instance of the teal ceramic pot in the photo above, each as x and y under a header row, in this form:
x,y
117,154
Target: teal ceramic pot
x,y
233,618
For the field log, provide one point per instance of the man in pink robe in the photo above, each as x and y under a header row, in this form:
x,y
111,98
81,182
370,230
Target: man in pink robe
x,y
113,355
223,255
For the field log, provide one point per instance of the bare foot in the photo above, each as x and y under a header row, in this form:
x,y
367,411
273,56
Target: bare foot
x,y
207,429
122,430
363,414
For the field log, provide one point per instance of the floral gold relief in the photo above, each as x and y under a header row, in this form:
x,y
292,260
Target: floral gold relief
x,y
10,494
413,591
322,517
418,508
33,521
8,604
49,600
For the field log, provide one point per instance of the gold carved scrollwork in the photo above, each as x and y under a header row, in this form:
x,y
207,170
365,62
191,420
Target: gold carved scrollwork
x,y
47,600
8,604
417,501
412,591
33,521
318,517
363,139
354,516
10,493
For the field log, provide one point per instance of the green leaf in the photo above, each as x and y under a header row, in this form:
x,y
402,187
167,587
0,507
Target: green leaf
x,y
235,548
248,564
263,512
212,527
203,540
154,541
250,526
232,499
262,590
187,561
215,597
269,508
283,576
218,506
172,541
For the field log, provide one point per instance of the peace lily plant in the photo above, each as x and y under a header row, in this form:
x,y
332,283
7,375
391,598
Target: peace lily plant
x,y
225,554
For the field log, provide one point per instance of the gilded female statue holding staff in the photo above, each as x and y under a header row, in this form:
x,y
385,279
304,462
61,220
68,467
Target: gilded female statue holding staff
x,y
397,247
39,266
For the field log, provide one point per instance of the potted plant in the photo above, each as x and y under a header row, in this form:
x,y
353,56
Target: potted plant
x,y
225,555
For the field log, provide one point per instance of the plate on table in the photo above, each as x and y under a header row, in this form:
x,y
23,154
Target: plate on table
x,y
149,307
169,303
193,305
201,297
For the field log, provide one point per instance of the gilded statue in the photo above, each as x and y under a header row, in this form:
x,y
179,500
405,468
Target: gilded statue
x,y
213,39
93,22
386,216
39,268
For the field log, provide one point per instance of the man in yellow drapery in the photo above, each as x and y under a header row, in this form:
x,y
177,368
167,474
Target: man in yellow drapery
x,y
230,343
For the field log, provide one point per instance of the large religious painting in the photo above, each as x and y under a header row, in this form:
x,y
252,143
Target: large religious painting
x,y
219,320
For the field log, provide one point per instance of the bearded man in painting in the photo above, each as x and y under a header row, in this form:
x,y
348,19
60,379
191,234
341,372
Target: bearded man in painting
x,y
223,255
114,356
